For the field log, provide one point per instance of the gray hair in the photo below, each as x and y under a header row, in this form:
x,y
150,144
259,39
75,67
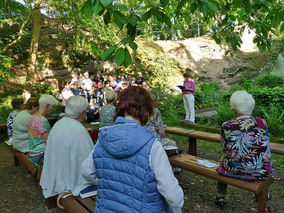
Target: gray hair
x,y
47,99
242,102
75,105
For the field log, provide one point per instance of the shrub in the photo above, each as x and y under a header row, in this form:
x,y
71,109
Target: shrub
x,y
224,113
274,118
268,80
208,93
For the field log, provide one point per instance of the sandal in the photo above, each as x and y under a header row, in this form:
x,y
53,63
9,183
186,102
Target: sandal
x,y
220,201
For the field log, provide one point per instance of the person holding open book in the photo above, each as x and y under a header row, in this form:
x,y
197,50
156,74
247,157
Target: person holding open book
x,y
188,91
133,170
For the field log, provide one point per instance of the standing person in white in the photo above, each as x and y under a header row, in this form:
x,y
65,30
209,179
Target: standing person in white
x,y
188,98
87,86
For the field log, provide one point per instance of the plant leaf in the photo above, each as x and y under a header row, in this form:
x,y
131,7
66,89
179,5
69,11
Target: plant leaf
x,y
98,7
166,19
158,14
119,56
212,6
87,8
125,41
132,21
164,3
133,45
108,52
147,15
106,3
128,59
107,17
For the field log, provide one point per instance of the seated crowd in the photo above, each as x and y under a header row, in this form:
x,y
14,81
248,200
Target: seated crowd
x,y
128,163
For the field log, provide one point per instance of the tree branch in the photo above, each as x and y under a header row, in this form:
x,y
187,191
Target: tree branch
x,y
20,32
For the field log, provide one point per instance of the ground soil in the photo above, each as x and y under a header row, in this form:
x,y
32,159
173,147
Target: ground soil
x,y
21,193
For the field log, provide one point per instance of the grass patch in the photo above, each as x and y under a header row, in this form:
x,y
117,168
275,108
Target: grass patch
x,y
278,162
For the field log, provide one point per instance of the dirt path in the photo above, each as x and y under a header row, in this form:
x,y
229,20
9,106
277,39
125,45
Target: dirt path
x,y
20,193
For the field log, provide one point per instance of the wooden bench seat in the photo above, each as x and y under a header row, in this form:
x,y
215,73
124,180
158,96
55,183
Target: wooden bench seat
x,y
189,162
76,204
21,157
193,135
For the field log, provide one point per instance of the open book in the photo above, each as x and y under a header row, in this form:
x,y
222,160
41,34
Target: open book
x,y
181,87
89,191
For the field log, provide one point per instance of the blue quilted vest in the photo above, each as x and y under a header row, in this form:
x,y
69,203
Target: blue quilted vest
x,y
125,180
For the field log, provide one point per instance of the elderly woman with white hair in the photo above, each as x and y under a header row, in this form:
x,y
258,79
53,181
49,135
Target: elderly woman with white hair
x,y
245,143
68,145
39,128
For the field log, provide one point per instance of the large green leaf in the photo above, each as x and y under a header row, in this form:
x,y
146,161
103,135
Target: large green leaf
x,y
98,7
166,19
147,15
282,28
108,52
106,3
87,8
128,59
133,45
212,6
122,18
156,12
132,21
164,3
119,56
125,40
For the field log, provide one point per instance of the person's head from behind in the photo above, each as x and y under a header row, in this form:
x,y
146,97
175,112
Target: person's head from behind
x,y
47,103
242,103
99,74
111,97
17,104
135,102
76,107
122,77
32,105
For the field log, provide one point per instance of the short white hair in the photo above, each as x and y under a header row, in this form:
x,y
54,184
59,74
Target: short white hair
x,y
242,102
75,105
47,99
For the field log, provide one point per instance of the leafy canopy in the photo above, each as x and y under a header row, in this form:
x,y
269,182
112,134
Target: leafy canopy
x,y
219,17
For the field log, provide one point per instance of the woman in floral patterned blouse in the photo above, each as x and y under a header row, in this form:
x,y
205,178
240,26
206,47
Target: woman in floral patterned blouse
x,y
245,143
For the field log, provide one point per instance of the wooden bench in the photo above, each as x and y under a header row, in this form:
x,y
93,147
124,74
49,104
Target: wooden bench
x,y
194,135
259,188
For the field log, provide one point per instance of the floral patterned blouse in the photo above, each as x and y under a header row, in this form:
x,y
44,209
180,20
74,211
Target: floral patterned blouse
x,y
245,142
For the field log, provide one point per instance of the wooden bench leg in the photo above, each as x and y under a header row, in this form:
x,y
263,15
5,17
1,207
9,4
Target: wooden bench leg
x,y
192,146
16,161
261,201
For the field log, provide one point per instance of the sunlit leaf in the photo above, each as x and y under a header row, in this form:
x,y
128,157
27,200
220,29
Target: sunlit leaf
x,y
133,45
108,52
119,56
147,15
98,7
87,8
106,3
128,59
132,21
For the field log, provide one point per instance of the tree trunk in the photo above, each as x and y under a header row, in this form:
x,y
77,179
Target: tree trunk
x,y
34,42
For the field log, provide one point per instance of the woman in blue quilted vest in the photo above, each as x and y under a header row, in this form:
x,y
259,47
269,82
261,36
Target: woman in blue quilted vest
x,y
133,170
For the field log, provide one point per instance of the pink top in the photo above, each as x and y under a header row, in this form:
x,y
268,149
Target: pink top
x,y
191,85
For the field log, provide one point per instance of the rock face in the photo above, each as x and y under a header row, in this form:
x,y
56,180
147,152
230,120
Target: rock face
x,y
202,55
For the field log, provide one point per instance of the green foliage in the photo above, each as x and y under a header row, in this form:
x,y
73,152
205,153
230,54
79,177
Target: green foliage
x,y
6,71
224,113
274,118
268,80
208,92
39,89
